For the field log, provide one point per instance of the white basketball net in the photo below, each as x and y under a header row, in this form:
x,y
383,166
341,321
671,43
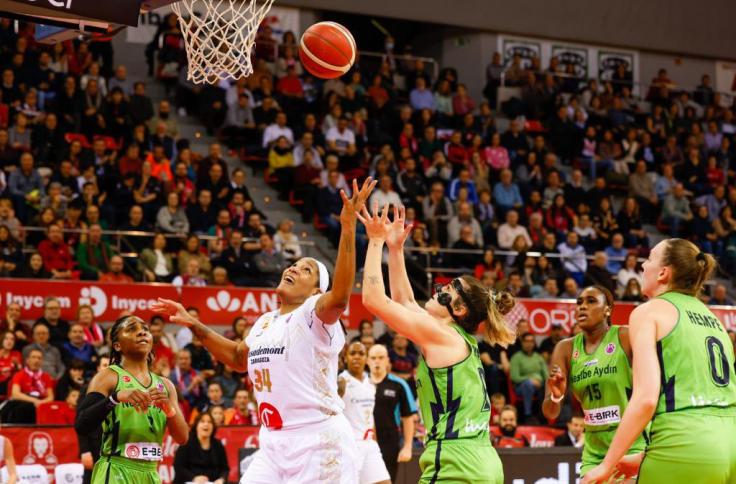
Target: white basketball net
x,y
219,36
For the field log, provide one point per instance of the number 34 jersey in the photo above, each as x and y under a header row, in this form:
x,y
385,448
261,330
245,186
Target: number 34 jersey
x,y
292,363
601,380
696,359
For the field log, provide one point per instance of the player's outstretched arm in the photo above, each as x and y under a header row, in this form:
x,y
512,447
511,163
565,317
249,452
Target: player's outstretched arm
x,y
333,303
420,328
401,290
643,403
233,354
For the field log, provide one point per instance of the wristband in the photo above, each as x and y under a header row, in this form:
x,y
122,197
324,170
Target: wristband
x,y
556,399
113,399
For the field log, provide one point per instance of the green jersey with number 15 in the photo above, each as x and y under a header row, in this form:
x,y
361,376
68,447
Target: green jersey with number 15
x,y
696,359
601,380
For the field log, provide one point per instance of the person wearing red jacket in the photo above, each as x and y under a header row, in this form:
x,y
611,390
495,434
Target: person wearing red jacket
x,y
507,435
57,255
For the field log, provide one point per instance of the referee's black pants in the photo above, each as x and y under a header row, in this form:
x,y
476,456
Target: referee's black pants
x,y
388,442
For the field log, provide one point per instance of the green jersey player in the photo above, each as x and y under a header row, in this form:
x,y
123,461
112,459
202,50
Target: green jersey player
x,y
450,380
134,407
596,363
683,377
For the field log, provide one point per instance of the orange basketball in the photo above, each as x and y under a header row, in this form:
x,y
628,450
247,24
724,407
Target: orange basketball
x,y
327,50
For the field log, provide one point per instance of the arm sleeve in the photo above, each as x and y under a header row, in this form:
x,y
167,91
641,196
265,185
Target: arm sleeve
x,y
163,219
13,186
407,407
517,196
94,409
84,443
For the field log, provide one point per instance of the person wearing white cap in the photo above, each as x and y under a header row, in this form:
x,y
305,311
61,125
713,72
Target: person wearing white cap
x,y
291,356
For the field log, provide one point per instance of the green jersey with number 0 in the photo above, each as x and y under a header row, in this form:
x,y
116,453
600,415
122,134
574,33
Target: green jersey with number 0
x,y
696,359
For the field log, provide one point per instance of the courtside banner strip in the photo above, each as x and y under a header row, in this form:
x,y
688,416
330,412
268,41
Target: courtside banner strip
x,y
221,305
52,445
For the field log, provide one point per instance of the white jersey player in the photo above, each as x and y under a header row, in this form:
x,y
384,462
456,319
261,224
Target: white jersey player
x,y
359,395
291,356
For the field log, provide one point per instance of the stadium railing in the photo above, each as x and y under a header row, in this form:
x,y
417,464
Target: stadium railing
x,y
639,89
119,238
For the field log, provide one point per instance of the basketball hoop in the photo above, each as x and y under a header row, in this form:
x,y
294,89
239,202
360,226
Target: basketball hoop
x,y
219,36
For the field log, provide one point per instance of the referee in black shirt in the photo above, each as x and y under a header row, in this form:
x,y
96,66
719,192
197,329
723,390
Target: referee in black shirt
x,y
394,406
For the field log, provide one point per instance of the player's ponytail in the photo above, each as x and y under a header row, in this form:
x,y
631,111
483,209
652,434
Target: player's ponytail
x,y
691,267
491,307
496,329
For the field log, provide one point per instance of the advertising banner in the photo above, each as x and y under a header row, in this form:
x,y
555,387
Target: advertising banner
x,y
577,57
527,50
609,61
589,61
50,446
219,306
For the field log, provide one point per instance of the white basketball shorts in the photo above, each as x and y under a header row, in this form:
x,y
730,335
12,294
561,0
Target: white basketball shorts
x,y
322,453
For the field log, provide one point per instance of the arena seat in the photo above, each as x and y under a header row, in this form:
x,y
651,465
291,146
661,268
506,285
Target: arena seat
x,y
293,201
51,413
71,137
110,142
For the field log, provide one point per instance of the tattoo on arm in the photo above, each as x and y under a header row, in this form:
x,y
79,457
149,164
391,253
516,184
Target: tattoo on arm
x,y
374,280
347,245
201,331
241,354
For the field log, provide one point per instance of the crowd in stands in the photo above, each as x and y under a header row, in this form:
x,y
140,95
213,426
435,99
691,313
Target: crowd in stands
x,y
559,199
579,171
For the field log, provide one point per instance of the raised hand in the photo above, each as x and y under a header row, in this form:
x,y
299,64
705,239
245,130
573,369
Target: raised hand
x,y
175,311
351,207
398,230
557,382
376,227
